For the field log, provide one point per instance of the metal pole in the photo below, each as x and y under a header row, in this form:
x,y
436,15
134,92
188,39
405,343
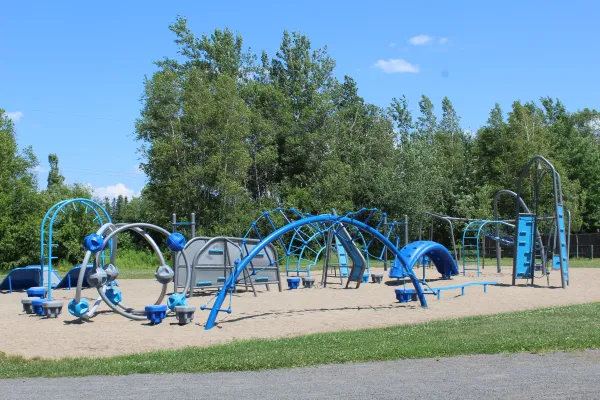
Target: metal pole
x,y
193,223
385,251
173,254
405,229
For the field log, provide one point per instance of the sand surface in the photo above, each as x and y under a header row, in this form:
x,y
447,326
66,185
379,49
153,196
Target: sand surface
x,y
270,315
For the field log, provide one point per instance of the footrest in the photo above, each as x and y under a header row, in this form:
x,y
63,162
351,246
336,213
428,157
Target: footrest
x,y
365,278
27,307
376,278
185,314
308,282
156,313
293,283
52,308
261,279
204,283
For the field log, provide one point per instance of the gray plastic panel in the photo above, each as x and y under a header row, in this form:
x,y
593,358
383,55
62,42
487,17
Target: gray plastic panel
x,y
213,260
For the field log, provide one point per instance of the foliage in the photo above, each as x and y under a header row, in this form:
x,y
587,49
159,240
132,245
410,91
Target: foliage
x,y
227,134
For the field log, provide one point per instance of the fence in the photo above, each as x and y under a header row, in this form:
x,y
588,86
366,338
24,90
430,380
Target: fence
x,y
582,245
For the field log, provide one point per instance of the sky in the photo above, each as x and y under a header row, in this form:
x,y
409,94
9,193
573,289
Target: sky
x,y
72,72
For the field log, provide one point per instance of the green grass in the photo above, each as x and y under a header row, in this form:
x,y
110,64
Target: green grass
x,y
543,330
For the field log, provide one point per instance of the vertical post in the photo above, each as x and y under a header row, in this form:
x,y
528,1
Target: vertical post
x,y
385,250
483,264
173,254
193,223
405,229
591,252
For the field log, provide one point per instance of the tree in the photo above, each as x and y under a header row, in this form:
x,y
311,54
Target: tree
x,y
55,179
20,205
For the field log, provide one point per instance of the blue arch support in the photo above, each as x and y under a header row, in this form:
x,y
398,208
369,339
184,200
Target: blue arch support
x,y
324,218
410,255
53,216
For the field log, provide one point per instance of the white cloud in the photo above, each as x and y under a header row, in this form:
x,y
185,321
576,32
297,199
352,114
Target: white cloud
x,y
40,170
443,40
396,65
113,191
392,44
15,116
420,40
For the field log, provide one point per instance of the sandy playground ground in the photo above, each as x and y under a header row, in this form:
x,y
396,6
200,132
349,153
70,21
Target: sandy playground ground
x,y
270,315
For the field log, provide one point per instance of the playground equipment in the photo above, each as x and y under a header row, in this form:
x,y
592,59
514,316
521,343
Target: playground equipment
x,y
527,252
105,273
404,295
445,218
215,305
345,247
25,277
414,252
48,231
473,243
213,260
520,200
301,248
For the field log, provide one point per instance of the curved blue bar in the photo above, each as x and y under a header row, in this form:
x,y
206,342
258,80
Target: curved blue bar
x,y
326,218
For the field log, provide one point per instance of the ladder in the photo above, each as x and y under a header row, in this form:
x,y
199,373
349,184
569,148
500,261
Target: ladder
x,y
470,244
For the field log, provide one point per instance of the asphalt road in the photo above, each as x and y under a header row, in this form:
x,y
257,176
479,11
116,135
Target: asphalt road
x,y
522,376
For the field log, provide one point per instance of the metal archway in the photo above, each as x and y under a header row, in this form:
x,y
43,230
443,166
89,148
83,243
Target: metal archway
x,y
47,231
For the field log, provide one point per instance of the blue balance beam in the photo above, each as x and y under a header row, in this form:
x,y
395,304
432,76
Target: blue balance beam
x,y
403,295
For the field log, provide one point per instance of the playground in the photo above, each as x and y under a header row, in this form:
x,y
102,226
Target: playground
x,y
272,315
292,273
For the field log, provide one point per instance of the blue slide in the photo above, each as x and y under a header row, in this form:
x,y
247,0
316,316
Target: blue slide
x,y
413,252
359,264
342,257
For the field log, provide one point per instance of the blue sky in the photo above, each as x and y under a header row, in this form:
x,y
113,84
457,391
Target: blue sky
x,y
71,73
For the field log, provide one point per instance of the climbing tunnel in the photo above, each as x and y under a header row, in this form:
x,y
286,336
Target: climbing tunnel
x,y
409,256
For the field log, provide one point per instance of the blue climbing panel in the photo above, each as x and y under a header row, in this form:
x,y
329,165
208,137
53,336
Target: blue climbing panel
x,y
562,243
524,246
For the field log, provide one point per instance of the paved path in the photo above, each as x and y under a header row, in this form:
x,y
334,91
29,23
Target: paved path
x,y
522,376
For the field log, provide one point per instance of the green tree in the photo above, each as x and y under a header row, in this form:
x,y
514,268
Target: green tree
x,y
55,179
20,205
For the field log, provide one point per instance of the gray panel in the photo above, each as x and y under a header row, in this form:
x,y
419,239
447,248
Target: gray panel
x,y
213,260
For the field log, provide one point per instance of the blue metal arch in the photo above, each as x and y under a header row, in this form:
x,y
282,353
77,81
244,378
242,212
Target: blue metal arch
x,y
324,218
297,244
101,215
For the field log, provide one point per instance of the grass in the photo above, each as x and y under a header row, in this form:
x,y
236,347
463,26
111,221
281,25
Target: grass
x,y
543,330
